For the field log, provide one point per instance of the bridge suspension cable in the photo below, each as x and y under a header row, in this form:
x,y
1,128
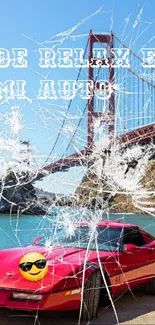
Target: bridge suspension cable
x,y
68,107
133,72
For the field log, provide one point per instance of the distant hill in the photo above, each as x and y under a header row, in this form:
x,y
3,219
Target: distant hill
x,y
40,193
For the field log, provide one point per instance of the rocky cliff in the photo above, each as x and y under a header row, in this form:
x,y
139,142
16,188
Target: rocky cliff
x,y
119,180
18,195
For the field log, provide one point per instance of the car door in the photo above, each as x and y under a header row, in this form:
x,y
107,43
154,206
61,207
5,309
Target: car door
x,y
130,268
134,264
150,259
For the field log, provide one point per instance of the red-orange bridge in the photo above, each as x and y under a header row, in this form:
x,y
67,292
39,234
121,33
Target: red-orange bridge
x,y
127,115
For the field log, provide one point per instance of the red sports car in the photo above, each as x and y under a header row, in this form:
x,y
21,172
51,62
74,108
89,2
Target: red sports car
x,y
77,267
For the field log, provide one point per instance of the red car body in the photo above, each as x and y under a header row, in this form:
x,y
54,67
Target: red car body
x,y
70,268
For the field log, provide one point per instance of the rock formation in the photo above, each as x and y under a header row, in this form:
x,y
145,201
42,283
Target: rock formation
x,y
18,195
121,181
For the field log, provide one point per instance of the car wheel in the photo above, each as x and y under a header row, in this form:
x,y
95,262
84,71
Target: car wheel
x,y
91,296
150,287
104,296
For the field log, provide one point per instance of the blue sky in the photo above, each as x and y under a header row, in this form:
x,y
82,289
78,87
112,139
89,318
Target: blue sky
x,y
29,24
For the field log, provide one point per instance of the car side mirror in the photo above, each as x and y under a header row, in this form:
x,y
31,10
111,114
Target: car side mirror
x,y
129,248
36,240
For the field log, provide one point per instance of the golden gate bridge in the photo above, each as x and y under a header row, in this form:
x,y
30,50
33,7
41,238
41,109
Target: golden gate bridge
x,y
128,115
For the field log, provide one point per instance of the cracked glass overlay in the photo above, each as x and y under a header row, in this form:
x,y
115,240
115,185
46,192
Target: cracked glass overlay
x,y
112,179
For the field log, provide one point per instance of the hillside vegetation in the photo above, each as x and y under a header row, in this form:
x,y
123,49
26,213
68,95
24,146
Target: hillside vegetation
x,y
120,180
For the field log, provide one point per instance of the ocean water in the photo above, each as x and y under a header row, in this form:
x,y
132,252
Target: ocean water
x,y
21,231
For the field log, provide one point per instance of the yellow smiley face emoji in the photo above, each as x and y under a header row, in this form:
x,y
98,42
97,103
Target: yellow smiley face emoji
x,y
33,266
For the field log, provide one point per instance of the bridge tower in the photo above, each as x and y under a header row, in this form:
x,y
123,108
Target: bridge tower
x,y
107,118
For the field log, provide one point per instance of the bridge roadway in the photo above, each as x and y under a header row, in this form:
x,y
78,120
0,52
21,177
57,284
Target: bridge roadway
x,y
132,308
140,135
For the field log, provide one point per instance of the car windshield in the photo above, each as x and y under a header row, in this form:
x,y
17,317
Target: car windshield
x,y
103,238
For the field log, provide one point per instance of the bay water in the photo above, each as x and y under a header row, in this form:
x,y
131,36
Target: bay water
x,y
21,230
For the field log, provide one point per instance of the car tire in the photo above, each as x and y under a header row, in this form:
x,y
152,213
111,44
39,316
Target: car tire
x,y
150,287
91,296
104,296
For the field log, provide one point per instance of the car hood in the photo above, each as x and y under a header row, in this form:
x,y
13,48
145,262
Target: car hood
x,y
62,263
